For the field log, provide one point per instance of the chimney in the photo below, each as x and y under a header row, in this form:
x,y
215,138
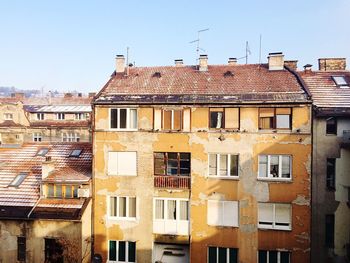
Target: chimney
x,y
203,63
47,167
120,64
292,64
307,68
232,61
68,95
80,95
92,94
276,61
325,64
179,62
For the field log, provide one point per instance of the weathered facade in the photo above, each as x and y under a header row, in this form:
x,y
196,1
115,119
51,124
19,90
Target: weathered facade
x,y
329,86
202,164
45,206
47,119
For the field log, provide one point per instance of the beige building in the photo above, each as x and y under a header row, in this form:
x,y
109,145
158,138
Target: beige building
x,y
47,119
45,207
330,89
208,163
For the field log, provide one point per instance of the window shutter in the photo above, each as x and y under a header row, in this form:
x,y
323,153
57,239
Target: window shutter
x,y
230,213
266,112
126,163
157,119
284,111
186,120
265,214
214,214
177,119
232,118
112,163
282,212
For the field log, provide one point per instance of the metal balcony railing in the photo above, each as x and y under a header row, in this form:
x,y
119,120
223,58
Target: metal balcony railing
x,y
167,181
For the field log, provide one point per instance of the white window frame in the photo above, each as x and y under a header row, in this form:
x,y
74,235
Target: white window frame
x,y
128,116
37,137
119,173
40,116
274,222
217,253
278,255
80,116
227,176
223,213
118,217
269,175
70,137
177,223
60,116
126,251
8,116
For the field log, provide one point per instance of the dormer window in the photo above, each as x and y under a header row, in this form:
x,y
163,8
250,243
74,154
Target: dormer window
x,y
40,116
60,116
75,153
340,81
8,116
157,74
42,152
19,179
228,74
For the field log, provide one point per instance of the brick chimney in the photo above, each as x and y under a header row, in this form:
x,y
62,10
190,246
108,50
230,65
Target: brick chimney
x,y
276,61
179,62
120,64
203,63
292,64
325,64
232,61
47,167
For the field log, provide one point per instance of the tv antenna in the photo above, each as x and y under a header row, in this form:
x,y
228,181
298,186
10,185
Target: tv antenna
x,y
198,40
247,52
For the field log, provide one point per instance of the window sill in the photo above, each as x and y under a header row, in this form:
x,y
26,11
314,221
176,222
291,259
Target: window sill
x,y
275,180
121,175
234,178
121,130
221,226
274,229
128,219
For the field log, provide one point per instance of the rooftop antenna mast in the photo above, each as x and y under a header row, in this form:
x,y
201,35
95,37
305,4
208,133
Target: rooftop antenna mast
x,y
127,61
198,40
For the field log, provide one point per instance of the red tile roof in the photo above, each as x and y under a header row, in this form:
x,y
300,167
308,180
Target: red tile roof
x,y
10,123
247,82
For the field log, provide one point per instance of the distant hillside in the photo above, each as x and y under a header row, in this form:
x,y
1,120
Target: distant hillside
x,y
7,91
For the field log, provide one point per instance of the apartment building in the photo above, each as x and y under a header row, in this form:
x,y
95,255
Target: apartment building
x,y
204,163
330,89
45,203
45,119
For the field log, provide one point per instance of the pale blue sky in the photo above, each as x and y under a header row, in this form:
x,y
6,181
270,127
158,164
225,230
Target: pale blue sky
x,y
71,45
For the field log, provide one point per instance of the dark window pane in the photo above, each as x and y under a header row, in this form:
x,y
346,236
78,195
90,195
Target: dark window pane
x,y
285,257
216,119
112,250
331,125
262,256
272,256
222,255
330,231
331,173
114,118
233,255
122,115
21,248
132,251
121,251
212,254
234,165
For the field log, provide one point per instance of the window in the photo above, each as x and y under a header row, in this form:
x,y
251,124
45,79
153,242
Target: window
x,y
222,213
19,179
222,255
122,163
62,191
122,207
40,116
121,251
37,137
70,137
53,251
75,153
171,216
227,118
329,231
80,116
223,165
330,173
172,164
275,167
60,116
275,118
123,119
331,125
172,119
274,216
273,256
8,116
42,152
340,81
21,248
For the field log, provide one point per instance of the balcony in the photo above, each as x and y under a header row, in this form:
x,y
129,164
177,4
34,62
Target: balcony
x,y
171,227
177,182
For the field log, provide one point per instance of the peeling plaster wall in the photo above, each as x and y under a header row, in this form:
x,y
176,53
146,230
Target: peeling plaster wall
x,y
248,143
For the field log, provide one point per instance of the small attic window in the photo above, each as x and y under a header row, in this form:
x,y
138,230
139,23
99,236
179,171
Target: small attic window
x,y
19,179
42,152
228,74
157,74
75,153
340,81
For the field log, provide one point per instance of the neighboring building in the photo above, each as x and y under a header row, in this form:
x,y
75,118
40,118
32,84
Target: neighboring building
x,y
48,119
330,89
208,163
45,207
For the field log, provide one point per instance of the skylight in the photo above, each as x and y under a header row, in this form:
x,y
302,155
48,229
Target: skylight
x,y
42,152
340,81
75,153
19,179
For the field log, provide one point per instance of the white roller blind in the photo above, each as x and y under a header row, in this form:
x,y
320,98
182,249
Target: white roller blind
x,y
186,120
265,213
113,163
214,212
283,214
183,210
159,213
157,119
230,213
126,163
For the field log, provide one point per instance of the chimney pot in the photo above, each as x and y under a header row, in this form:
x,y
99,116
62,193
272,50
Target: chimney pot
x,y
120,64
179,62
325,64
276,61
307,68
203,63
232,61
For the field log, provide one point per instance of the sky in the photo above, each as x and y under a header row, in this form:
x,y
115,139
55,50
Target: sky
x,y
71,45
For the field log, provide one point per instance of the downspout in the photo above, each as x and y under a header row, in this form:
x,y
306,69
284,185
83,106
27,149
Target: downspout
x,y
93,183
35,205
